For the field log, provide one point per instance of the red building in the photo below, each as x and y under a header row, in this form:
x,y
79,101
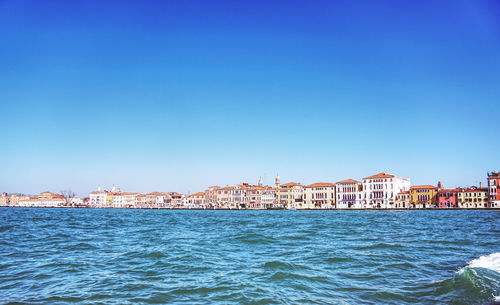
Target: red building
x,y
448,198
494,189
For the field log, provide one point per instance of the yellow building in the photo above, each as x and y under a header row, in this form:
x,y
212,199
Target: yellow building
x,y
472,198
109,199
290,195
403,200
49,195
424,196
319,195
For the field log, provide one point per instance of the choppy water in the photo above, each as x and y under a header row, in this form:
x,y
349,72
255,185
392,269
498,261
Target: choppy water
x,y
51,256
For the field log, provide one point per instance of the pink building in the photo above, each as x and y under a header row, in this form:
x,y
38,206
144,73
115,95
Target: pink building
x,y
448,198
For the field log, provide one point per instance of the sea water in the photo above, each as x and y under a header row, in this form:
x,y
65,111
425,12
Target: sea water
x,y
92,256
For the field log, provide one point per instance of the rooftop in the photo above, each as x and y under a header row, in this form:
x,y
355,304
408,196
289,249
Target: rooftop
x,y
197,194
380,175
348,181
321,184
423,187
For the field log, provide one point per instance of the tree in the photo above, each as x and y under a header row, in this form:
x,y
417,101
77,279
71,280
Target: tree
x,y
68,195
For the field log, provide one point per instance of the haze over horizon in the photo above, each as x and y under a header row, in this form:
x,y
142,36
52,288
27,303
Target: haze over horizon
x,y
182,95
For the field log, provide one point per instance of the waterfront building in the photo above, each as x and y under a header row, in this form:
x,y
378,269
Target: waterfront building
x,y
240,196
236,199
49,195
448,198
150,200
86,202
268,198
494,189
15,198
403,200
424,196
140,201
4,199
349,194
290,195
129,199
320,195
211,196
42,202
380,190
76,202
98,199
473,197
110,200
44,199
197,201
253,195
179,201
224,197
163,200
114,200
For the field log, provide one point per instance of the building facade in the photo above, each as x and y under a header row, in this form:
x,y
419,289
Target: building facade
x,y
320,195
403,200
424,196
98,199
268,198
494,189
349,194
380,190
4,199
448,198
473,198
197,201
290,195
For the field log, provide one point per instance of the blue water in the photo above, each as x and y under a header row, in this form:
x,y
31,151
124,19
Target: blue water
x,y
91,256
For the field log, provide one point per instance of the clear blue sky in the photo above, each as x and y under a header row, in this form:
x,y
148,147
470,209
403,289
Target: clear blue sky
x,y
179,95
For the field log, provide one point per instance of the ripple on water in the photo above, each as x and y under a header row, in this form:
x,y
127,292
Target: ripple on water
x,y
6,228
254,238
279,265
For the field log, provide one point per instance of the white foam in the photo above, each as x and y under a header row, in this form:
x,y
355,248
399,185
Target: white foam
x,y
491,262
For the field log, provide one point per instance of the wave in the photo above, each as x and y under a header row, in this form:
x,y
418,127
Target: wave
x,y
482,275
491,262
478,282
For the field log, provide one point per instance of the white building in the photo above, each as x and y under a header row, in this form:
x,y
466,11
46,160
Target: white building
x,y
268,198
43,202
179,201
225,197
98,198
129,200
380,190
349,194
163,200
75,202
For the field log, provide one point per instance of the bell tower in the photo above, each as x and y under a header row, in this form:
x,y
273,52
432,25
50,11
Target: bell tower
x,y
277,182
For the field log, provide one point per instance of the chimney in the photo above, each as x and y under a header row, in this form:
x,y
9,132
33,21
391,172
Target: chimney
x,y
480,184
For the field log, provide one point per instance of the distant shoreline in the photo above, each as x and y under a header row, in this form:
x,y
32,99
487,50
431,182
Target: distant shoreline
x,y
197,209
